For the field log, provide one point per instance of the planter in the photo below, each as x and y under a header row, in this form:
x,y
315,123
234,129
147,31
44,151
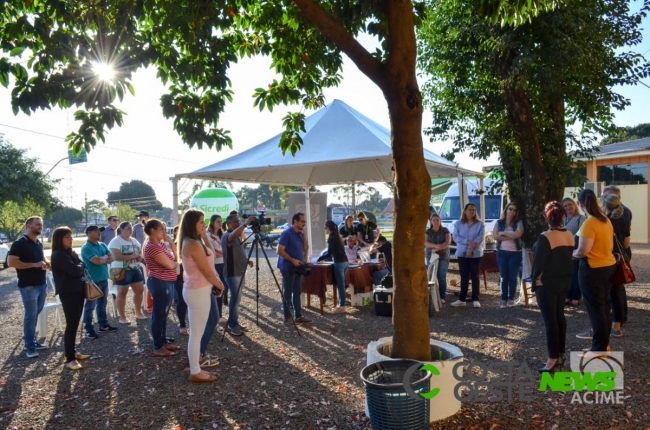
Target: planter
x,y
445,403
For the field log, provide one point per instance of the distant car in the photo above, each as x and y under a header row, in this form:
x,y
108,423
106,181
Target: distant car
x,y
4,253
284,226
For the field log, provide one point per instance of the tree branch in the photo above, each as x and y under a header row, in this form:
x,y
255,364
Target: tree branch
x,y
333,30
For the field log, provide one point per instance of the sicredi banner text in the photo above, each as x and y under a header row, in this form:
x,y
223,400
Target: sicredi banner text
x,y
213,201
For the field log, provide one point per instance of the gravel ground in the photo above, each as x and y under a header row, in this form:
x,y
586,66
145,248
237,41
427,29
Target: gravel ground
x,y
273,378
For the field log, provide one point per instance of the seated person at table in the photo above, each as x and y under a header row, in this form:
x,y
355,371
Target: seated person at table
x,y
386,248
366,232
352,250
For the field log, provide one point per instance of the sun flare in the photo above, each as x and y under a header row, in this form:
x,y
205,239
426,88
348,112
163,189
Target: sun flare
x,y
104,71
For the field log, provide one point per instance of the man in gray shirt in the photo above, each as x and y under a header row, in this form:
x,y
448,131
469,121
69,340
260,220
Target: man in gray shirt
x,y
138,227
234,266
109,233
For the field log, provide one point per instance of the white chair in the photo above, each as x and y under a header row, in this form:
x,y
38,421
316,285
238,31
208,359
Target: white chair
x,y
41,325
433,283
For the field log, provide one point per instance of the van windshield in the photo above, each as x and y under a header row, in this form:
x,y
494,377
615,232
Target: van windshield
x,y
450,208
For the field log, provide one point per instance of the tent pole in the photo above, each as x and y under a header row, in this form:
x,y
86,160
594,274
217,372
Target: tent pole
x,y
174,180
483,208
308,217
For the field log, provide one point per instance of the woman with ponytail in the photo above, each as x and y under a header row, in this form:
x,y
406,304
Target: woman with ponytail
x,y
552,274
597,266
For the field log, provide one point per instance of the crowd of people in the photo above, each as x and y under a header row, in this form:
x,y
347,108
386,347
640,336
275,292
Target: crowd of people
x,y
202,267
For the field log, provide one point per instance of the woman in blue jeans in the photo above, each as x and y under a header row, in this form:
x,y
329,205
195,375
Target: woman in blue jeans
x,y
438,240
162,264
336,251
507,232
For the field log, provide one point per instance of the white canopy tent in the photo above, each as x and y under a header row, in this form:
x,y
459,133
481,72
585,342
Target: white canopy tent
x,y
340,146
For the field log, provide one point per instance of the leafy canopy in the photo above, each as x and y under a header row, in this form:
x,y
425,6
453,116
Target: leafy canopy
x,y
21,179
58,53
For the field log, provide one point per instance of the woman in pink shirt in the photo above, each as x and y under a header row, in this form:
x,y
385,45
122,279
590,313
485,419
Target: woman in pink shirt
x,y
197,255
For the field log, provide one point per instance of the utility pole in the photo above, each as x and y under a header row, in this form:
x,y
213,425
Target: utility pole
x,y
86,198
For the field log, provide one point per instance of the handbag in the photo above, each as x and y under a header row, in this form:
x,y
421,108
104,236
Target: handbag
x,y
93,292
624,273
117,274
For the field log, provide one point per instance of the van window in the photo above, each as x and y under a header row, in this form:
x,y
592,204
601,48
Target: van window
x,y
450,209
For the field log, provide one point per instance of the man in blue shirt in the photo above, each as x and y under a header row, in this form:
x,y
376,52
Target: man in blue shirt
x,y
292,251
96,256
26,256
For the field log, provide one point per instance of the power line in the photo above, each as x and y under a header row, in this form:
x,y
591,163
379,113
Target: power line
x,y
108,174
105,147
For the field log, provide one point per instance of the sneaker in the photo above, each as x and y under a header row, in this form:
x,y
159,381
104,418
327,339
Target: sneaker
x,y
511,303
107,329
236,331
616,333
339,310
91,334
32,354
40,346
459,303
477,304
503,304
588,334
302,320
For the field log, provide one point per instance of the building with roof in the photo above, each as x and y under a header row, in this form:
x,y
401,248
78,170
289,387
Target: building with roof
x,y
625,165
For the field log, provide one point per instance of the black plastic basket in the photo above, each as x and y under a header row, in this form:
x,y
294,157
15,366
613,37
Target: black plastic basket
x,y
389,405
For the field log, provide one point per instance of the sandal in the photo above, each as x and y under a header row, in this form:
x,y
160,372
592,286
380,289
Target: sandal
x,y
203,377
209,362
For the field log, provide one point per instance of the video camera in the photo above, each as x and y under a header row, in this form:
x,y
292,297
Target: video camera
x,y
304,269
258,222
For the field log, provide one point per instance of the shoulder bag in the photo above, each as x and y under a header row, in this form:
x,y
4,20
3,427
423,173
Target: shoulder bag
x,y
624,273
93,292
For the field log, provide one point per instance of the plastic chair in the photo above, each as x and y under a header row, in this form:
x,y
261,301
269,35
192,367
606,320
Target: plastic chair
x,y
525,291
434,290
41,325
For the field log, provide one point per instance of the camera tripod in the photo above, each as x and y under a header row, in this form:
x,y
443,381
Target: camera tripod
x,y
256,245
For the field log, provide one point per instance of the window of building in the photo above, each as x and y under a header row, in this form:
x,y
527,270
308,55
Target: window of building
x,y
623,174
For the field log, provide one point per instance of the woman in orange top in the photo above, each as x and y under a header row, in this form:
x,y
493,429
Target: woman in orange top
x,y
597,266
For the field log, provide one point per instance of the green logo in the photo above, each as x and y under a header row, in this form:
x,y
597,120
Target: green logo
x,y
407,381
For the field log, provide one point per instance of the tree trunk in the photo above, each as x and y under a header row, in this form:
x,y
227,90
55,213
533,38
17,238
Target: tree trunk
x,y
410,296
520,116
556,160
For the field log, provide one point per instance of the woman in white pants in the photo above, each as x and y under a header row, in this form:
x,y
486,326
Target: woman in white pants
x,y
197,255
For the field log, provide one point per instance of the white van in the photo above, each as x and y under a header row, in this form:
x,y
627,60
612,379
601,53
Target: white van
x,y
495,202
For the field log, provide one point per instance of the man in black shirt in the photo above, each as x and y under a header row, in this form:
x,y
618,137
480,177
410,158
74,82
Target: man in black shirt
x,y
386,248
26,256
366,232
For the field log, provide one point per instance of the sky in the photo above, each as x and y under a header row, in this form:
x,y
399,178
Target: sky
x,y
146,147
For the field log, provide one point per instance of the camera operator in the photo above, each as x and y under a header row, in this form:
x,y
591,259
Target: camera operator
x,y
292,251
234,265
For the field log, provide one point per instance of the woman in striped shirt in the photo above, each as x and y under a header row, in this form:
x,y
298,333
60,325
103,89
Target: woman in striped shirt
x,y
162,264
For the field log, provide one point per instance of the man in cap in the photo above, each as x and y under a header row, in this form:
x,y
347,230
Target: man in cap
x,y
96,256
138,228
